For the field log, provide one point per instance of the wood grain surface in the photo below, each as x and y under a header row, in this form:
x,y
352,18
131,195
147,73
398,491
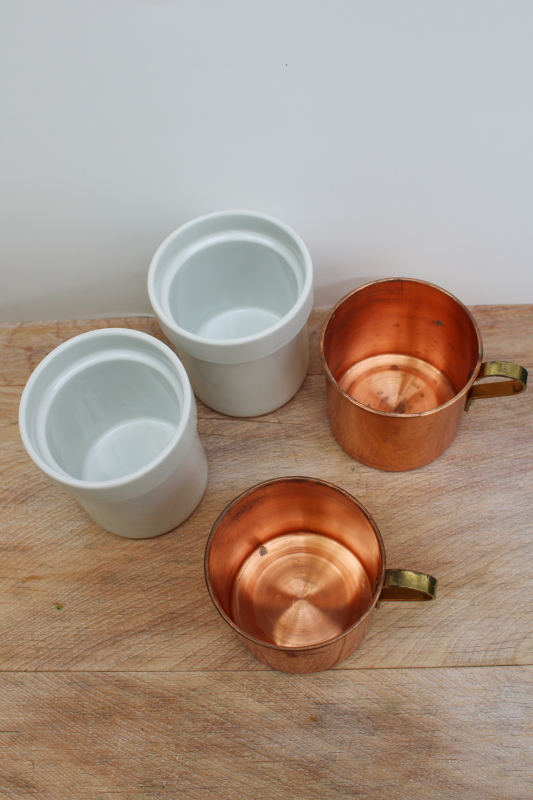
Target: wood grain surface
x,y
142,605
118,679
437,734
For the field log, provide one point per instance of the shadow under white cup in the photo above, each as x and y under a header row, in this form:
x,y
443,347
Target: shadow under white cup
x,y
109,416
233,292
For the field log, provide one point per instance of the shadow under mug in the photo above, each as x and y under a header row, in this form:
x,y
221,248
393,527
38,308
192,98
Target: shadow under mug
x,y
403,360
296,567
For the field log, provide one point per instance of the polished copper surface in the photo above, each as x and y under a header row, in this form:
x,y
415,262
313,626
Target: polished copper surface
x,y
396,384
401,357
296,566
300,589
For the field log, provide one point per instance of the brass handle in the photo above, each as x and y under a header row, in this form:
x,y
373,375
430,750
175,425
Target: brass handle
x,y
498,369
403,584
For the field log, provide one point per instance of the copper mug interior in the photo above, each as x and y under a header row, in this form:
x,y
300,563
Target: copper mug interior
x,y
402,347
295,566
401,357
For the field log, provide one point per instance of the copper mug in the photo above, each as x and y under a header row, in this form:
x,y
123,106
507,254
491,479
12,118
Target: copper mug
x,y
296,567
403,360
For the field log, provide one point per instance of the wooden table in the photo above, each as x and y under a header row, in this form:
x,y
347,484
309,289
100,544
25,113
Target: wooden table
x,y
120,680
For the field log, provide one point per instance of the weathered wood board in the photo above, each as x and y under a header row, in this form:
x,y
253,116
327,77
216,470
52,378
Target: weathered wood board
x,y
436,734
142,605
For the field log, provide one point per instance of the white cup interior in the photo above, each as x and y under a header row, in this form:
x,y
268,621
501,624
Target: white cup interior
x,y
232,286
109,417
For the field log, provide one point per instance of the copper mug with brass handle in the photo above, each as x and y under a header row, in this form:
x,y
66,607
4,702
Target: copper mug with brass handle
x,y
296,566
403,360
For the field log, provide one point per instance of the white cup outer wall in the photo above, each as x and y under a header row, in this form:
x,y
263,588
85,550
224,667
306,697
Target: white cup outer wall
x,y
161,508
256,387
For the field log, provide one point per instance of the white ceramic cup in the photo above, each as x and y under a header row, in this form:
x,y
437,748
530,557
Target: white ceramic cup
x,y
109,416
233,291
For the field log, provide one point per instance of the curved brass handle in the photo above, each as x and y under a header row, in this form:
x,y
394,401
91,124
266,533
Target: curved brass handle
x,y
403,584
498,369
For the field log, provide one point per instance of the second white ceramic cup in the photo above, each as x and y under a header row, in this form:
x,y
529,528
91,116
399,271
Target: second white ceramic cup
x,y
233,292
109,416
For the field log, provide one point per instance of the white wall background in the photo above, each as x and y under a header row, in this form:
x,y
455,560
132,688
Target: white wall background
x,y
395,137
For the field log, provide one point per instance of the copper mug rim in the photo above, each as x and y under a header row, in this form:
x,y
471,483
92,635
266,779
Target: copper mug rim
x,y
301,648
466,388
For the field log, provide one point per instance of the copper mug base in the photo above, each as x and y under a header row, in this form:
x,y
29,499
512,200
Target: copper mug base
x,y
296,567
403,360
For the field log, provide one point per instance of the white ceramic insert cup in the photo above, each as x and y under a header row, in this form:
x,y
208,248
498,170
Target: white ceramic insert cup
x,y
233,291
110,418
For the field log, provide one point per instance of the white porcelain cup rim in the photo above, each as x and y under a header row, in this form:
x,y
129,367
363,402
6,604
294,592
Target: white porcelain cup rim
x,y
176,447
246,348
